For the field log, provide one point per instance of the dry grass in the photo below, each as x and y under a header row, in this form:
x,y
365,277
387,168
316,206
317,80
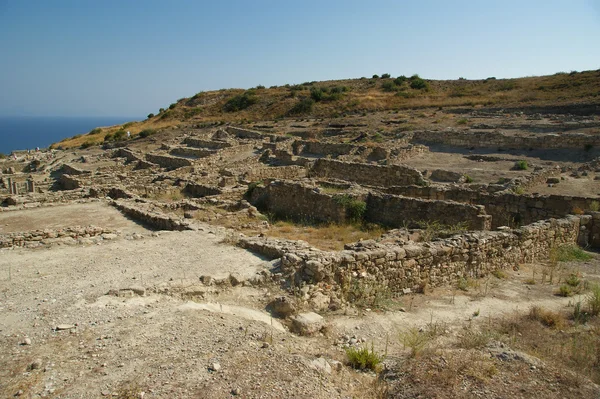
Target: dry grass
x,y
327,237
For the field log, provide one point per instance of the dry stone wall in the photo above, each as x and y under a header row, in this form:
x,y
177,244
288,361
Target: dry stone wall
x,y
167,161
415,265
367,174
395,211
486,139
297,201
506,208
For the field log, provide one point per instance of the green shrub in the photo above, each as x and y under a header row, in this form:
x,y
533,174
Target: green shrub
x,y
375,76
507,85
565,290
385,76
87,144
521,165
417,83
462,121
161,110
364,358
120,135
355,208
96,131
400,80
573,280
108,137
316,94
147,132
468,179
240,102
302,107
260,87
388,86
172,105
150,115
251,187
595,206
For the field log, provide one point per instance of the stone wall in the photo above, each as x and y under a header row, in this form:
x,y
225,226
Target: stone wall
x,y
128,154
73,171
150,217
415,265
197,190
367,174
167,161
278,172
38,238
506,208
202,143
487,139
244,133
297,201
396,211
192,152
68,182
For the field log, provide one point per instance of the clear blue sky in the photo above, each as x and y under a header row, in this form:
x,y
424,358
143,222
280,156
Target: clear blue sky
x,y
129,58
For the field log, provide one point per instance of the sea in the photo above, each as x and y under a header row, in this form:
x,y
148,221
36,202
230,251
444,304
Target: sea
x,y
27,132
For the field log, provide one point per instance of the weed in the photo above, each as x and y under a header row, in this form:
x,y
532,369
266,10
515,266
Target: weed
x,y
500,274
595,206
521,165
474,339
147,132
573,280
468,179
462,284
462,121
569,253
415,340
518,190
364,358
547,317
565,290
593,300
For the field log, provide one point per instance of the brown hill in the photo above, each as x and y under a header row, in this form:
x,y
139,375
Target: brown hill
x,y
575,92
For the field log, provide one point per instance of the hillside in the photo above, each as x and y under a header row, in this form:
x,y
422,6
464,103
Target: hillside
x,y
332,99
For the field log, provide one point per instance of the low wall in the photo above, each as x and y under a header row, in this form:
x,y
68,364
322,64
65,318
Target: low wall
x,y
244,133
128,154
506,208
367,174
167,161
153,218
297,201
278,172
37,238
414,266
197,190
68,182
191,152
487,139
202,143
73,171
396,211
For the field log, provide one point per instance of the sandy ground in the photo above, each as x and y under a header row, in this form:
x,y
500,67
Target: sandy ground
x,y
167,341
99,214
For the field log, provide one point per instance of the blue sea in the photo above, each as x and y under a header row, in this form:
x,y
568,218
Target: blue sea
x,y
21,133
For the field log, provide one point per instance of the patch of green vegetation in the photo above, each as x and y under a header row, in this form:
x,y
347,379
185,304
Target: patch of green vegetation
x,y
521,165
150,115
302,107
87,144
147,132
95,131
385,76
569,253
468,179
364,358
355,208
462,121
240,102
418,83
